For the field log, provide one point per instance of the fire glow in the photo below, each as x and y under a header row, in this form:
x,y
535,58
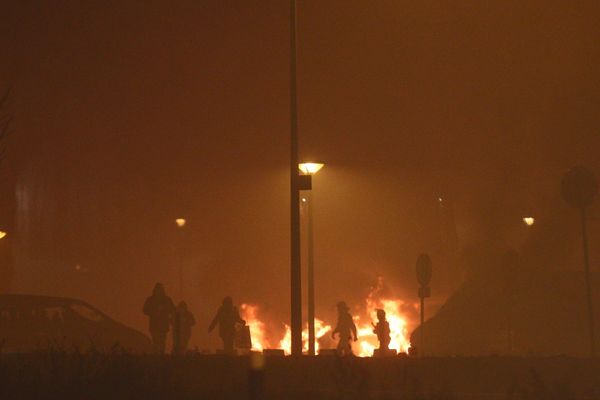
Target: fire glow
x,y
320,330
257,327
364,320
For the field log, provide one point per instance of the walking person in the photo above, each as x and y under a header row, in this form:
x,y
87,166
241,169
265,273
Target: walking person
x,y
159,309
345,329
183,320
227,317
382,330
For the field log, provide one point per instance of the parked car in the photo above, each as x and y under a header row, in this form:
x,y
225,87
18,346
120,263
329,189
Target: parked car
x,y
29,323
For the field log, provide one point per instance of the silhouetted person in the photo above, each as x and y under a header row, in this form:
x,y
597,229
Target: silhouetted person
x,y
227,317
382,330
183,320
345,328
159,309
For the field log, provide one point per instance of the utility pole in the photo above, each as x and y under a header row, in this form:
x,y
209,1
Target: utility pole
x,y
311,278
423,277
295,271
579,189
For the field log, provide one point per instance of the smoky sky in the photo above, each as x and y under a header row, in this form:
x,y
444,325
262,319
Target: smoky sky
x,y
131,114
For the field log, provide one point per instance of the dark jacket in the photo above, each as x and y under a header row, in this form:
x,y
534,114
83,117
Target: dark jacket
x,y
186,320
159,309
345,326
226,317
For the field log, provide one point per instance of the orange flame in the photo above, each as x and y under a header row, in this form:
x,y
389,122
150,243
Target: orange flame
x,y
321,330
367,340
257,327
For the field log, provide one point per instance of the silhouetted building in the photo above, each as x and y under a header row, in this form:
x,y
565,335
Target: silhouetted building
x,y
515,311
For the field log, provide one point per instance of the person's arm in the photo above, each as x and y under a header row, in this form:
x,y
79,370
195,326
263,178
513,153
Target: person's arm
x,y
238,319
214,321
354,330
147,306
336,330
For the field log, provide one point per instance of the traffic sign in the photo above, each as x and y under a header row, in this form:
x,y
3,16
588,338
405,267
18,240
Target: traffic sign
x,y
424,270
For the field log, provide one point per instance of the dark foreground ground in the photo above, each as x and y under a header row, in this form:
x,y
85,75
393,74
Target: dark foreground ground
x,y
122,376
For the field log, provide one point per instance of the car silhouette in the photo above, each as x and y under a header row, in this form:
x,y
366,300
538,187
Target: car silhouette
x,y
31,323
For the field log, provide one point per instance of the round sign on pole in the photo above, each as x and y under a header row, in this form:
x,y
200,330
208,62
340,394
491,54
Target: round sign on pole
x,y
424,270
579,187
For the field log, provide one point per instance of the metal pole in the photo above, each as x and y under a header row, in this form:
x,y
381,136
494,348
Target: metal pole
x,y
181,258
295,272
587,282
311,278
422,351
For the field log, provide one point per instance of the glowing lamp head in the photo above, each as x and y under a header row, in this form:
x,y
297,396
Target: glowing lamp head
x,y
310,168
180,222
2,234
529,221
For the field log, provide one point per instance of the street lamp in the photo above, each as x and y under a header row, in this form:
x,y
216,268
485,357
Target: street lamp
x,y
2,234
310,169
529,221
180,222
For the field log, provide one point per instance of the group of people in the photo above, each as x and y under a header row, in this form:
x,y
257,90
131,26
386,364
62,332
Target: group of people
x,y
163,315
347,333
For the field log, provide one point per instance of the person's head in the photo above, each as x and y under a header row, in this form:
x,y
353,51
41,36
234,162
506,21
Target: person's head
x,y
381,315
342,307
182,306
227,301
159,290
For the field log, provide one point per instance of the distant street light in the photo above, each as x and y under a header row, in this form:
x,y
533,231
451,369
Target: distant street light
x,y
2,234
310,169
529,221
180,222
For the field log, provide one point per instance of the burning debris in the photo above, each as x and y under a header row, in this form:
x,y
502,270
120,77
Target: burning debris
x,y
257,327
364,318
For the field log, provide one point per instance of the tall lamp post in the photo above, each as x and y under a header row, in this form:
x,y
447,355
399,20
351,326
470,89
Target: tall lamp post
x,y
310,169
579,188
180,222
295,183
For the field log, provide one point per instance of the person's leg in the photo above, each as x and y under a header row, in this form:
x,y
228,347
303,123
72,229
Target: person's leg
x,y
183,343
349,346
161,342
154,336
340,346
386,343
228,344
